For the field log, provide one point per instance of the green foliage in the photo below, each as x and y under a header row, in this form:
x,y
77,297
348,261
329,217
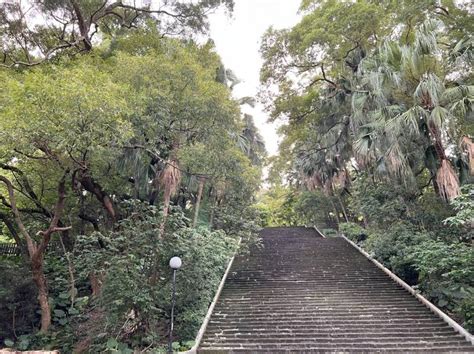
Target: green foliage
x,y
113,131
386,202
243,225
70,29
352,231
313,208
5,239
278,206
447,275
133,265
329,232
17,300
393,247
379,202
284,205
464,207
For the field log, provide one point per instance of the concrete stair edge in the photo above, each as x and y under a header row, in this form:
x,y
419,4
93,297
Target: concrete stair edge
x,y
452,323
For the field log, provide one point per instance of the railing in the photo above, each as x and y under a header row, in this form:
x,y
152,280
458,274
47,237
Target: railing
x,y
12,249
9,249
469,337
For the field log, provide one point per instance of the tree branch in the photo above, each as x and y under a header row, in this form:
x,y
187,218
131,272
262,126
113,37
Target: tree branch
x,y
31,244
58,210
324,78
25,184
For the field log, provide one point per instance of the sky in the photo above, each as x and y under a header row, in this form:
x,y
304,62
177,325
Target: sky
x,y
237,41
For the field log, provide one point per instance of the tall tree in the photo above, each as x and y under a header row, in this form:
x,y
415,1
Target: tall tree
x,y
34,31
320,70
36,250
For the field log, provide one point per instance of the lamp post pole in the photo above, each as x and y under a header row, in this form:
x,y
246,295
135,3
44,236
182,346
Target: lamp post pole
x,y
175,264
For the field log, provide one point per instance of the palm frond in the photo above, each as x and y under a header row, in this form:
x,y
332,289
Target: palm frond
x,y
409,119
460,100
439,116
425,39
429,90
396,162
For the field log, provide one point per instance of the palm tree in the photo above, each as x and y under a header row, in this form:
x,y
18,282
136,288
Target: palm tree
x,y
403,100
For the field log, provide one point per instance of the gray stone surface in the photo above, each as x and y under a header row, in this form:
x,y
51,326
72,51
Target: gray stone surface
x,y
305,293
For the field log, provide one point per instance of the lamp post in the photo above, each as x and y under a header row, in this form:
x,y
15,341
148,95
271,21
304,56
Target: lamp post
x,y
175,264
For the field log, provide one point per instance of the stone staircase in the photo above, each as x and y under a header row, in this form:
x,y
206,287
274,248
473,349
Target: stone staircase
x,y
305,293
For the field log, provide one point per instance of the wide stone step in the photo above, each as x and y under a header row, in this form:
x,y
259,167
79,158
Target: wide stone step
x,y
346,295
308,303
310,316
438,349
315,306
321,337
302,293
236,305
339,330
303,290
305,348
339,343
323,322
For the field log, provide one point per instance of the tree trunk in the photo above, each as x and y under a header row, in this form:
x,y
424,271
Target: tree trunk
x,y
36,250
202,181
335,211
166,204
342,208
70,267
446,181
96,284
437,141
169,181
213,213
84,26
40,281
90,185
11,228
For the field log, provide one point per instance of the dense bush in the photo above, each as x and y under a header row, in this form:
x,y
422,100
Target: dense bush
x,y
18,303
393,247
329,232
244,223
131,264
422,249
379,203
286,207
313,208
447,276
120,295
353,231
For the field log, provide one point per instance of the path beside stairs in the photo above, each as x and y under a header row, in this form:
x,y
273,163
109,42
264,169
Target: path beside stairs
x,y
302,292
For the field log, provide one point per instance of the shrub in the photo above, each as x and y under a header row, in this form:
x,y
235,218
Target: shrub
x,y
353,231
329,232
313,208
244,224
18,302
394,247
132,264
447,275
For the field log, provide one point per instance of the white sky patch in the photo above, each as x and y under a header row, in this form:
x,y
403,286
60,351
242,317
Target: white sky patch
x,y
237,41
